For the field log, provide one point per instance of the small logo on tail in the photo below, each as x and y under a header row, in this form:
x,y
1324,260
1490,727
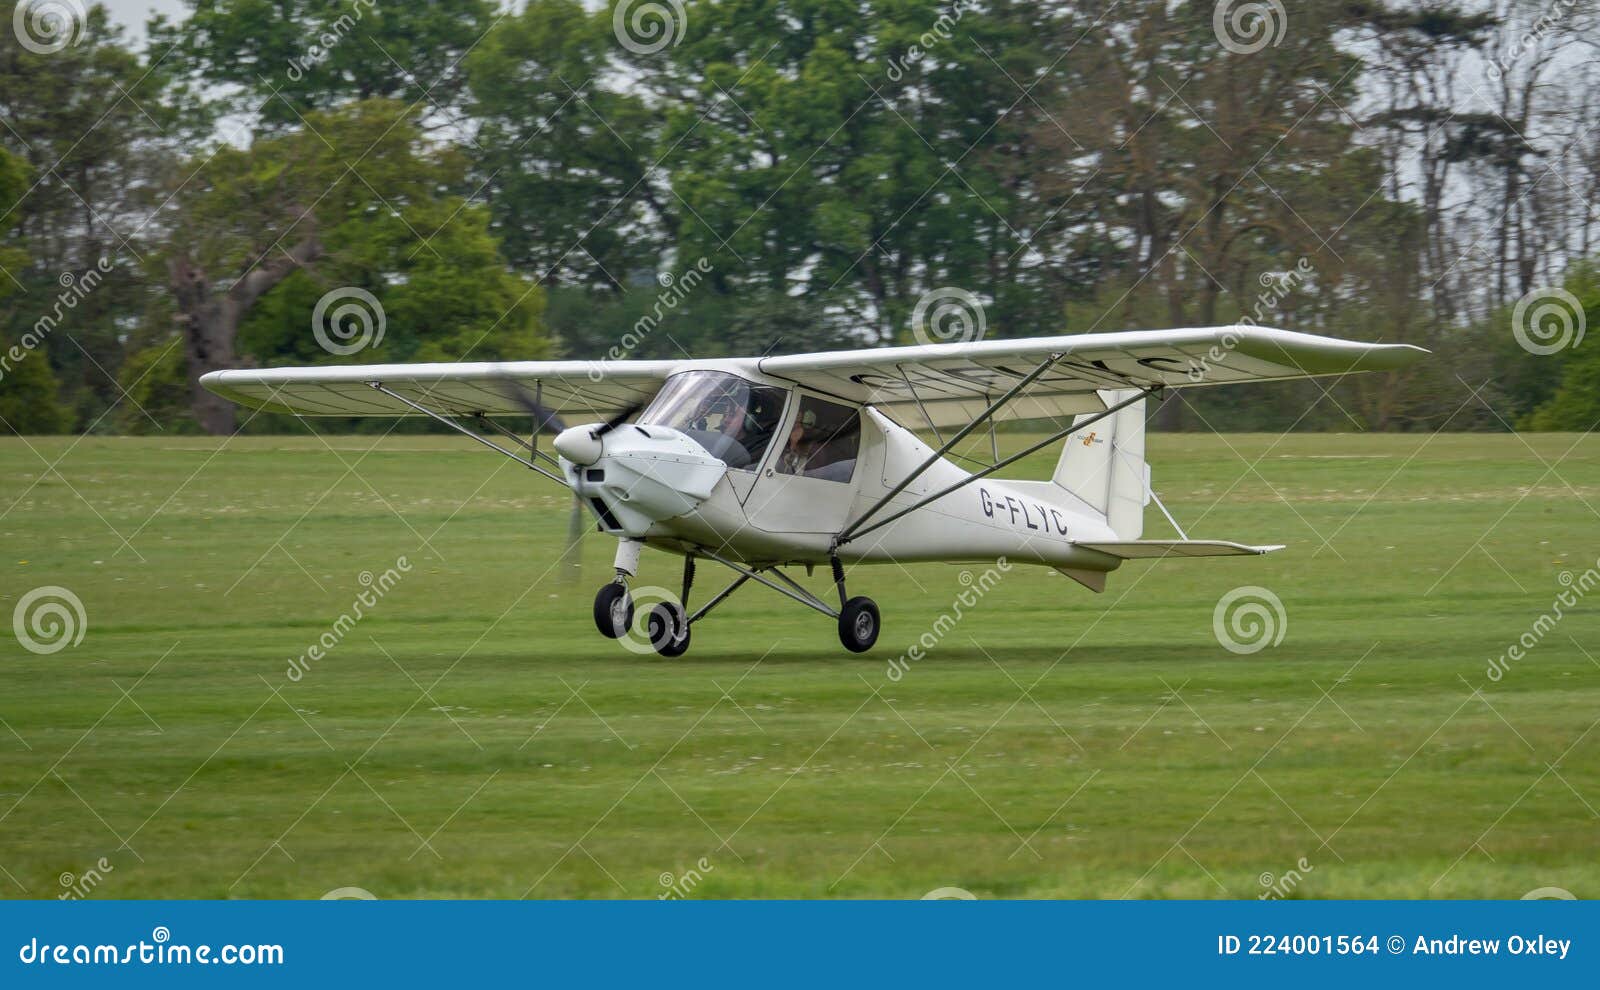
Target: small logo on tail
x,y
1089,439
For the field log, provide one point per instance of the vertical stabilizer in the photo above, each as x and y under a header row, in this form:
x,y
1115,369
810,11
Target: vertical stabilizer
x,y
1103,465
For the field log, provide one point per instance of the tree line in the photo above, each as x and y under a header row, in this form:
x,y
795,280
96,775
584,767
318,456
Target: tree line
x,y
326,181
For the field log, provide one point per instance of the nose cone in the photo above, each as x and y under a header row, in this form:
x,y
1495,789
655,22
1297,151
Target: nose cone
x,y
579,445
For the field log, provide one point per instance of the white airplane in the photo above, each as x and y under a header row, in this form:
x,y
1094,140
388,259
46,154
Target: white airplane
x,y
767,462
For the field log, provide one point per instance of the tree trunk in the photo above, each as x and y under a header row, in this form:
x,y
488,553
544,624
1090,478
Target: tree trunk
x,y
210,323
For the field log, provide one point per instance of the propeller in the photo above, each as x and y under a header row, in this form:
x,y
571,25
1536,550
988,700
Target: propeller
x,y
545,418
572,556
617,420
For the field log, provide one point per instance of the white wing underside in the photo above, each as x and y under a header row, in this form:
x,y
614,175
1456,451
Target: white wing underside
x,y
949,384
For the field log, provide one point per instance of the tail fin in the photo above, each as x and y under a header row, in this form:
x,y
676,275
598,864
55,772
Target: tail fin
x,y
1103,465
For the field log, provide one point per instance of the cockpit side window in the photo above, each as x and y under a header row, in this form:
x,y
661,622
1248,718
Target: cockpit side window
x,y
733,419
823,441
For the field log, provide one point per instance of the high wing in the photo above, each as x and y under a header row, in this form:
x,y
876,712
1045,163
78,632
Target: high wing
x,y
948,384
587,390
952,384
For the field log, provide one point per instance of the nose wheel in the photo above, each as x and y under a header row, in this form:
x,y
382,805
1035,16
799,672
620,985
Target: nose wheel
x,y
666,623
613,610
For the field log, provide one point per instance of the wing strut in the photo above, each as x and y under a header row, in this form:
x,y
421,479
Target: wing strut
x,y
466,432
849,532
913,390
855,530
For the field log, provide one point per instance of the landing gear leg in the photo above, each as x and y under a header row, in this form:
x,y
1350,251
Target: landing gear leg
x,y
858,617
613,608
669,621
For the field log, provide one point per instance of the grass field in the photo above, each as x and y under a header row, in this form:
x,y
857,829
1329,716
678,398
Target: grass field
x,y
472,736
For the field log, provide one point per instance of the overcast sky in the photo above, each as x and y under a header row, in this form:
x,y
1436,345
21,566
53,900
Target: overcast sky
x,y
132,14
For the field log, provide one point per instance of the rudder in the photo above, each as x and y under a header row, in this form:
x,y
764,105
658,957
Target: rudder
x,y
1103,465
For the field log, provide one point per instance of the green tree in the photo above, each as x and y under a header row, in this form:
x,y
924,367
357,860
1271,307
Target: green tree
x,y
565,160
1575,405
28,389
345,211
287,58
99,131
858,154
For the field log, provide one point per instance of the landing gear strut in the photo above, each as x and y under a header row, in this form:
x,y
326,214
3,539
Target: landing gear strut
x,y
858,617
613,608
667,623
669,629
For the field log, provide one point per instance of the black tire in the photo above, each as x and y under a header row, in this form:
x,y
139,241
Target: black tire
x,y
613,610
858,624
668,627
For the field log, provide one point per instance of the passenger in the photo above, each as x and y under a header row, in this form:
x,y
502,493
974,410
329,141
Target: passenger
x,y
798,451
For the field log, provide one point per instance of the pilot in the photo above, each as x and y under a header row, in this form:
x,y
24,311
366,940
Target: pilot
x,y
759,423
743,419
733,417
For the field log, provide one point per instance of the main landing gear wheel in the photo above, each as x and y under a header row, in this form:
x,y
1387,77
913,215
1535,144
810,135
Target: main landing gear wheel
x,y
613,610
858,624
668,627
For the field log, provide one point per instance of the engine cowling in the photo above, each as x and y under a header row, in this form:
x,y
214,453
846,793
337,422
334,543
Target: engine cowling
x,y
634,476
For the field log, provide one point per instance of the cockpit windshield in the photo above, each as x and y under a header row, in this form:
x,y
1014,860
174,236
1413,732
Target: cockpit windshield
x,y
734,420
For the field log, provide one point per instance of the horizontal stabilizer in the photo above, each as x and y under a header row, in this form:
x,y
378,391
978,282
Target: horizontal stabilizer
x,y
1093,580
1139,549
